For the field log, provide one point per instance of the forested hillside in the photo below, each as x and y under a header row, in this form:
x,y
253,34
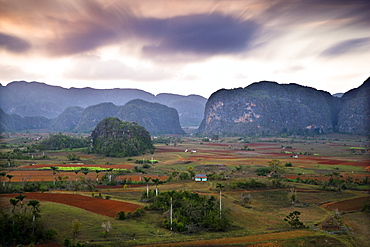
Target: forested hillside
x,y
116,138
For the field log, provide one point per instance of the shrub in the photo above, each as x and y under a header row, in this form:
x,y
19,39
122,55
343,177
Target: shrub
x,y
120,215
263,171
293,220
146,166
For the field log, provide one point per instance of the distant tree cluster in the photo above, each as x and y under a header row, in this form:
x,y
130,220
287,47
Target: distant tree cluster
x,y
191,212
60,141
24,226
115,138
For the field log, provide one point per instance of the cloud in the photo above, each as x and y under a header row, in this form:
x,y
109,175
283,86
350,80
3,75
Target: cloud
x,y
348,46
200,34
301,11
93,68
93,37
14,73
13,44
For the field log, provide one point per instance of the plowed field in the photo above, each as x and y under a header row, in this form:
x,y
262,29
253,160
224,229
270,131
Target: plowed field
x,y
96,205
350,205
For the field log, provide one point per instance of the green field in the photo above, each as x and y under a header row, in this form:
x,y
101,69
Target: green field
x,y
229,162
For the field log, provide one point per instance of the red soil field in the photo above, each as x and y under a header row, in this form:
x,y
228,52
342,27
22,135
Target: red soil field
x,y
350,205
122,166
328,161
96,205
119,186
47,175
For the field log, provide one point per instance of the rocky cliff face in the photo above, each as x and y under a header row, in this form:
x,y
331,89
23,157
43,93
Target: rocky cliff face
x,y
268,108
354,117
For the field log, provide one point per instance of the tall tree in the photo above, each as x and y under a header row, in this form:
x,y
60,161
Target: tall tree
x,y
10,178
85,171
97,175
109,170
76,171
55,170
3,174
14,202
35,209
156,182
152,152
220,186
147,180
20,198
76,227
292,196
276,167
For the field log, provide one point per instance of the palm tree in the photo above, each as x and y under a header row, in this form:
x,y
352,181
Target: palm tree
x,y
97,175
35,208
85,171
3,174
76,171
156,181
220,186
9,177
55,170
14,202
152,152
147,185
109,170
20,198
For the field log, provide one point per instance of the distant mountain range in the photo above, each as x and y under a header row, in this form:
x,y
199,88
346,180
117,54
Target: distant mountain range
x,y
62,107
263,108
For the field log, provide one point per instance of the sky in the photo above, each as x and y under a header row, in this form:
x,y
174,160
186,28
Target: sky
x,y
185,47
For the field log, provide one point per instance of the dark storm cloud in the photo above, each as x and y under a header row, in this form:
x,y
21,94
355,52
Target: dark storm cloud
x,y
13,44
348,46
292,12
202,34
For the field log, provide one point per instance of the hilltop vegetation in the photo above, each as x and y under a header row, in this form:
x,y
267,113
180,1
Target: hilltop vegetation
x,y
116,138
60,141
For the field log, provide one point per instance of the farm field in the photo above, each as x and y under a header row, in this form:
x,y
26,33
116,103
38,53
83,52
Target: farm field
x,y
329,175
